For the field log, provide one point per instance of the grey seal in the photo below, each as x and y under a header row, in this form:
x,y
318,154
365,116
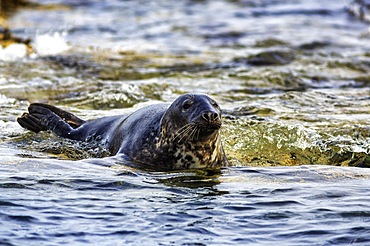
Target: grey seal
x,y
182,135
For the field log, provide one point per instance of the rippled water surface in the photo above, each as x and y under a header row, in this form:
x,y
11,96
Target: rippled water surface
x,y
59,202
77,203
293,81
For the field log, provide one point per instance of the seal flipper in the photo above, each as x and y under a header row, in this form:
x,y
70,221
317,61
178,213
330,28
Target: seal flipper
x,y
31,123
42,117
70,118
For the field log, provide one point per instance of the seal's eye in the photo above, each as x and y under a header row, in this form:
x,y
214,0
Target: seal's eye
x,y
214,104
187,104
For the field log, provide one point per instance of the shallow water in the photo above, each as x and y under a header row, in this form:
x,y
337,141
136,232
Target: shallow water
x,y
293,81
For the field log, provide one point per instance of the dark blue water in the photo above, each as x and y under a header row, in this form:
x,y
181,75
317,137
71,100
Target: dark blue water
x,y
51,202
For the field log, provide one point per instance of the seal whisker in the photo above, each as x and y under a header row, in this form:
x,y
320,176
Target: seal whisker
x,y
193,133
183,132
198,132
184,128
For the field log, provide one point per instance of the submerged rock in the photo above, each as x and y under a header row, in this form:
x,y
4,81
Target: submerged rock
x,y
269,58
270,42
314,45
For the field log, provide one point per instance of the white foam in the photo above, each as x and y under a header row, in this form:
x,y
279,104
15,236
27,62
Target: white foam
x,y
50,44
13,52
5,100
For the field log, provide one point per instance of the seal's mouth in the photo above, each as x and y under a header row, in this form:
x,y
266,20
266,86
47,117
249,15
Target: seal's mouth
x,y
197,132
210,127
206,130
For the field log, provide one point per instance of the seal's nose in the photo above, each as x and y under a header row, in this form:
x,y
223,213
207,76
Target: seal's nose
x,y
210,116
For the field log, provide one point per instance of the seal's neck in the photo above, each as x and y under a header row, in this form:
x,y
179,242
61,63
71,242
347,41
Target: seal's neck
x,y
190,153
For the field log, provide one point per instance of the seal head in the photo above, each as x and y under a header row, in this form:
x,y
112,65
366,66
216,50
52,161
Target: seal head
x,y
192,118
190,132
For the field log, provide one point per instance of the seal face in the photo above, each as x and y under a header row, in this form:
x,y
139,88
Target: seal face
x,y
185,134
190,132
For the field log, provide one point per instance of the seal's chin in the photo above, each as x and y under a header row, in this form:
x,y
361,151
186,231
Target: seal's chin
x,y
207,131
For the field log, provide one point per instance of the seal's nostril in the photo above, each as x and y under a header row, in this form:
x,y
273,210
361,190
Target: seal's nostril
x,y
215,116
210,116
205,116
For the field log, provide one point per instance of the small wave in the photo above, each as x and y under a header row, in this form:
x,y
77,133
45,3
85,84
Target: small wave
x,y
22,218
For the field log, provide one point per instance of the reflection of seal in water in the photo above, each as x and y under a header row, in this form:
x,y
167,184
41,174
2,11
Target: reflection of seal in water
x,y
185,134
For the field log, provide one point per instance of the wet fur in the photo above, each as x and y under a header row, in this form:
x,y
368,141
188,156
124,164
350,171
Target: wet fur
x,y
185,134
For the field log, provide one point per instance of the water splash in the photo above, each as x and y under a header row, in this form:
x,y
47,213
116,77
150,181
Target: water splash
x,y
13,52
50,44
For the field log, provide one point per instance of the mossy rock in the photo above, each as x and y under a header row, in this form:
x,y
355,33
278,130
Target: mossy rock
x,y
270,42
7,38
